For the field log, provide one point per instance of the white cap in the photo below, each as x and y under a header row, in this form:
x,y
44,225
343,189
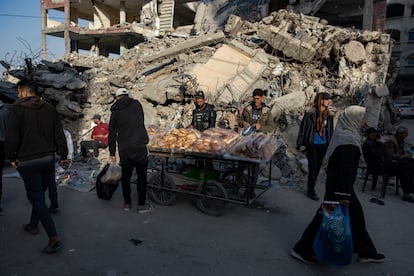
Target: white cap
x,y
121,91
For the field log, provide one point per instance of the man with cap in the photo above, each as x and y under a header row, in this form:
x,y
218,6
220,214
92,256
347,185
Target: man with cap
x,y
126,127
315,133
376,155
204,115
99,137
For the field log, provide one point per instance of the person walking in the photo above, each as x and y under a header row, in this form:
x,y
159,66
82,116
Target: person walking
x,y
126,127
3,119
343,156
315,133
34,135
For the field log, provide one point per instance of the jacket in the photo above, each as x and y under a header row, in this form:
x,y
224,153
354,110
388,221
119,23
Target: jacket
x,y
394,149
100,133
34,131
265,120
3,120
308,128
204,118
126,126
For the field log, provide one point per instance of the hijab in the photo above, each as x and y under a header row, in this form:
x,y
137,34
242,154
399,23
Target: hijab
x,y
347,130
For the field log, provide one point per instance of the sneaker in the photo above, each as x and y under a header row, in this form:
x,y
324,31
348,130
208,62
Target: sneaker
x,y
377,258
303,258
408,197
312,196
127,207
146,208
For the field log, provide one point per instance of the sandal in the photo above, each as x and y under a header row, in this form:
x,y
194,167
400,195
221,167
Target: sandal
x,y
31,229
52,248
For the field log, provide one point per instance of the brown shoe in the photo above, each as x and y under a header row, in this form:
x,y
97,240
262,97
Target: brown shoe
x,y
52,247
31,229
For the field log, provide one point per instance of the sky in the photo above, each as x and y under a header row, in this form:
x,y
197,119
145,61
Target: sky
x,y
20,32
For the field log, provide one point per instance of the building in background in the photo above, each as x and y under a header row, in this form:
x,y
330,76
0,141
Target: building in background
x,y
400,25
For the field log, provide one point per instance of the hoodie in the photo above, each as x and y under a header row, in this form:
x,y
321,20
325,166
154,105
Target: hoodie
x,y
126,126
34,131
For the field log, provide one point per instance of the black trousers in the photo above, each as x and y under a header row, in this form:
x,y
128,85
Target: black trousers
x,y
362,242
404,170
36,176
315,154
91,144
134,158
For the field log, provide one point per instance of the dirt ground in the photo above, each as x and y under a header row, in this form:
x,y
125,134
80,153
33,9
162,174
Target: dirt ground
x,y
99,236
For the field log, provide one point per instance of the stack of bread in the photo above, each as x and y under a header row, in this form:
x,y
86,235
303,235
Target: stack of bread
x,y
255,146
213,140
179,139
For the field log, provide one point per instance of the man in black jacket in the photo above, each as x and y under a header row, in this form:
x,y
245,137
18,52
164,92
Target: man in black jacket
x,y
204,115
34,134
126,126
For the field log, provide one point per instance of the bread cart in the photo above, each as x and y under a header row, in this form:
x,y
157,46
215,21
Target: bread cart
x,y
212,179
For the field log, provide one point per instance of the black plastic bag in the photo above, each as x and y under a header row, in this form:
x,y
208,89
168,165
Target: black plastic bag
x,y
104,191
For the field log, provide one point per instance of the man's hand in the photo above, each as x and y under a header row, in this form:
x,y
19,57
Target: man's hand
x,y
112,159
14,164
257,125
65,163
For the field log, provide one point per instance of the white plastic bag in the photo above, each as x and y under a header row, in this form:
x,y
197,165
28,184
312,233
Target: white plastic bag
x,y
112,175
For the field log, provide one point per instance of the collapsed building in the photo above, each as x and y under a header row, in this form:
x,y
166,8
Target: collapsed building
x,y
290,55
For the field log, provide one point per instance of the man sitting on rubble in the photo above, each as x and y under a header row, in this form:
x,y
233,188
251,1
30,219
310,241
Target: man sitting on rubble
x,y
99,137
376,155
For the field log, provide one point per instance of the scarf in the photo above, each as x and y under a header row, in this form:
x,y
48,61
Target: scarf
x,y
347,130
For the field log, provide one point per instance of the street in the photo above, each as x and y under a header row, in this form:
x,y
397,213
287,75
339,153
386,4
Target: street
x,y
102,239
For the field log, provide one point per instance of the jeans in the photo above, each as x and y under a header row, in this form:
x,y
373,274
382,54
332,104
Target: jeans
x,y
315,154
53,196
36,176
91,144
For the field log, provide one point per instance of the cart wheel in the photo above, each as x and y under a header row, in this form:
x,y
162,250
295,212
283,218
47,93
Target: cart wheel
x,y
159,195
235,182
209,206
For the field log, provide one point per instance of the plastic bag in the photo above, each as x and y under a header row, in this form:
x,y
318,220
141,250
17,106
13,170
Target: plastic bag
x,y
104,191
333,242
112,175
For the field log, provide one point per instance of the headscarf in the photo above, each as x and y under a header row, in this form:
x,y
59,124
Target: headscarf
x,y
322,114
347,130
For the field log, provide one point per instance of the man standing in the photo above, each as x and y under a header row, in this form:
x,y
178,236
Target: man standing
x,y
204,115
3,118
34,135
257,115
99,137
126,127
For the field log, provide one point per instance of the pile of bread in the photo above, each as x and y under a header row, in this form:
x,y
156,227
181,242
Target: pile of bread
x,y
213,140
255,146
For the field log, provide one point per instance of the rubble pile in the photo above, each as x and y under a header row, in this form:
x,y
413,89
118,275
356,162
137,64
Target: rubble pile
x,y
290,55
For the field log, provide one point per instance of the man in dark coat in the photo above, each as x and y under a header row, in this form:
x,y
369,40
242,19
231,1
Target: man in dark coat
x,y
126,126
34,135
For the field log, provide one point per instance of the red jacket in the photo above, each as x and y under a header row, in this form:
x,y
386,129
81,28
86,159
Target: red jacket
x,y
100,133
